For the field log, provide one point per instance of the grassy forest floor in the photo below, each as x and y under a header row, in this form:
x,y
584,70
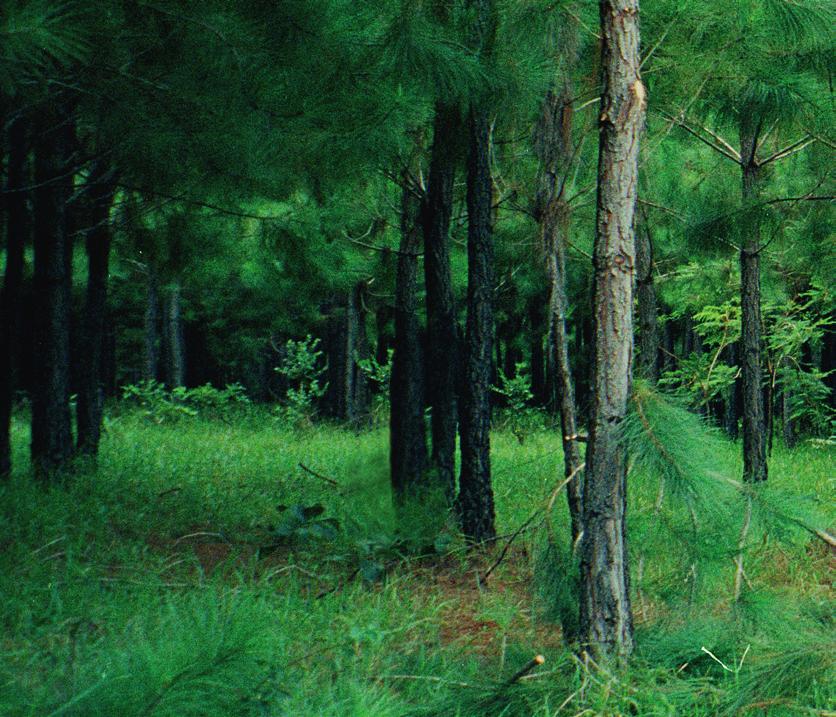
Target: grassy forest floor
x,y
170,581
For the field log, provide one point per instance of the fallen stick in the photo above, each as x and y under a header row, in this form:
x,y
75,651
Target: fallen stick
x,y
312,472
536,661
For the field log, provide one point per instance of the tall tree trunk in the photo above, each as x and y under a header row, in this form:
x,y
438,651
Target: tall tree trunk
x,y
554,230
647,311
151,357
89,403
754,427
176,353
407,437
606,622
553,146
17,227
475,500
442,335
52,442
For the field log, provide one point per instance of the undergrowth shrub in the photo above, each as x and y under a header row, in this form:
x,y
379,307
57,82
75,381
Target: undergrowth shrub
x,y
161,405
302,367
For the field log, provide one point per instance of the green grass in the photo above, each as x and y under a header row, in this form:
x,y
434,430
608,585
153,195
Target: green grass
x,y
155,585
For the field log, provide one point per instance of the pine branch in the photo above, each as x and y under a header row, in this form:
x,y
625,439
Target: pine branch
x,y
719,145
789,150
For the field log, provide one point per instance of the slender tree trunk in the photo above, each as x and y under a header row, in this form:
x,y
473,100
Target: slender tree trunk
x,y
559,352
384,342
606,622
788,426
647,310
537,355
17,227
347,343
731,413
358,350
553,146
475,500
754,427
151,357
407,437
90,397
174,337
668,362
442,335
52,442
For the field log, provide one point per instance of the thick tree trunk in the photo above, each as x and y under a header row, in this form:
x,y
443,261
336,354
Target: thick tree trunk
x,y
754,427
648,362
52,442
407,438
606,622
475,500
17,227
176,350
151,356
442,335
90,397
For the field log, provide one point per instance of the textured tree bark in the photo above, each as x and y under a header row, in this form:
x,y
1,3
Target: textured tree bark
x,y
17,227
90,398
475,500
553,147
754,427
151,356
553,233
647,308
606,622
52,442
407,436
442,334
176,353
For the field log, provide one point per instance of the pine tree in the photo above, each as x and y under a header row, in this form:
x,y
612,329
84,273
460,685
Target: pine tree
x,y
475,500
606,621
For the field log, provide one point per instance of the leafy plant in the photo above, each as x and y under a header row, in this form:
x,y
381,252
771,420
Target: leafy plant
x,y
304,522
163,406
379,374
156,403
519,416
302,368
702,377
